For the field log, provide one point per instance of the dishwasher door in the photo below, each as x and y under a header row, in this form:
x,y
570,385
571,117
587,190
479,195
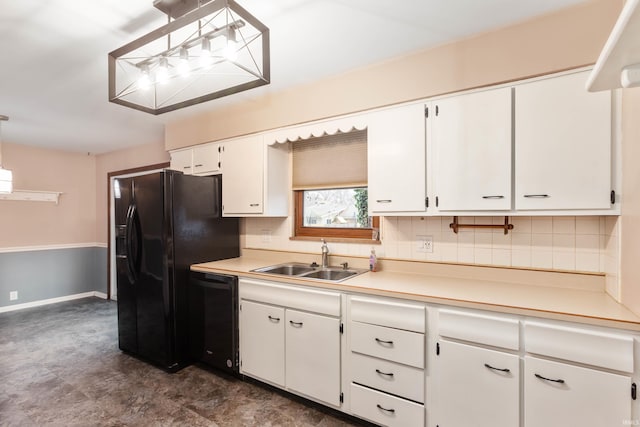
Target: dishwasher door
x,y
213,320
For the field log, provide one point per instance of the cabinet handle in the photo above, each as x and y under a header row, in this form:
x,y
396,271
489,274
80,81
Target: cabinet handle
x,y
253,205
549,379
536,196
385,409
493,197
198,166
296,324
274,319
388,374
497,369
186,167
379,341
384,201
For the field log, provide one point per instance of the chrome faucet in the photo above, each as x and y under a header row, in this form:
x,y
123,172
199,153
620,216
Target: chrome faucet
x,y
325,254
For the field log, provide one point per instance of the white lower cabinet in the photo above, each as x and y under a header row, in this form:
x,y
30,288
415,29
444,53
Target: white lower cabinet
x,y
477,387
559,395
313,355
386,361
478,368
262,341
290,337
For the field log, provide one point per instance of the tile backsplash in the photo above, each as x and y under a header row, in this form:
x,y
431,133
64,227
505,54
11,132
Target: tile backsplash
x,y
566,243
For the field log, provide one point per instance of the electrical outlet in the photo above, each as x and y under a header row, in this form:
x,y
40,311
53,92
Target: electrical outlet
x,y
266,236
424,244
13,295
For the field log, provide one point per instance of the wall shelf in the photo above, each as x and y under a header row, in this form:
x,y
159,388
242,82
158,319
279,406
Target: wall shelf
x,y
32,196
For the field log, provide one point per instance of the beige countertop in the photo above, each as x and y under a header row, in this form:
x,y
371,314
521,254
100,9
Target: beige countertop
x,y
569,297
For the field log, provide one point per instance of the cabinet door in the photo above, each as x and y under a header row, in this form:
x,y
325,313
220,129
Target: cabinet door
x,y
182,161
397,160
585,397
563,145
262,341
477,387
313,355
472,139
243,180
206,159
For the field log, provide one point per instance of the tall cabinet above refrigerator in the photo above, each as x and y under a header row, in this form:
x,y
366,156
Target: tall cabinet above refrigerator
x,y
165,221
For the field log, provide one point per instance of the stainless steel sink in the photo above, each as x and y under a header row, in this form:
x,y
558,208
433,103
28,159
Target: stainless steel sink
x,y
329,274
291,269
307,271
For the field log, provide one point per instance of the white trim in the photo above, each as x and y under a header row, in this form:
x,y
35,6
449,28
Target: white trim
x,y
52,301
52,247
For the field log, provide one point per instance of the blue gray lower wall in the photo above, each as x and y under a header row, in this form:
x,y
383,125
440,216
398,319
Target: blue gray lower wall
x,y
53,273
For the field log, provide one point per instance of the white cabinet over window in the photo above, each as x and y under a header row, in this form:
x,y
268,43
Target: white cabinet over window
x,y
471,135
397,160
563,145
204,159
256,178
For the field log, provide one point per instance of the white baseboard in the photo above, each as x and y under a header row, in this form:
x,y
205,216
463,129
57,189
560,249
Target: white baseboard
x,y
52,301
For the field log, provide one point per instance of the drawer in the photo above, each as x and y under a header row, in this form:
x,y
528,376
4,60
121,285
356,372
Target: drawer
x,y
388,343
410,317
389,377
479,328
603,349
385,409
313,300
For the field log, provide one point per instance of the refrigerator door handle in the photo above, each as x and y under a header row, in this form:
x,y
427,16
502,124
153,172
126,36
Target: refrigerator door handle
x,y
132,257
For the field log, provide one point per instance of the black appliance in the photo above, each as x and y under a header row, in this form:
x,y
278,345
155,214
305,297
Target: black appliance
x,y
213,320
165,221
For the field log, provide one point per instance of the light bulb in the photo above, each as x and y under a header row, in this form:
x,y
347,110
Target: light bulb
x,y
162,72
230,50
205,53
144,82
184,69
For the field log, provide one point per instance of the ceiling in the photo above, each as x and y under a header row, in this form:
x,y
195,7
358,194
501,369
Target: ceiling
x,y
53,73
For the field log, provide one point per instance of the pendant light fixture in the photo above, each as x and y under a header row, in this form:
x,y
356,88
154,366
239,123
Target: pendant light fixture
x,y
6,177
207,50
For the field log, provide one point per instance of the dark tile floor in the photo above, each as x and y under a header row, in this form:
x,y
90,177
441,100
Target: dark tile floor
x,y
60,366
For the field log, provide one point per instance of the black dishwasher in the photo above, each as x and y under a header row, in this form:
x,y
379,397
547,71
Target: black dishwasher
x,y
213,320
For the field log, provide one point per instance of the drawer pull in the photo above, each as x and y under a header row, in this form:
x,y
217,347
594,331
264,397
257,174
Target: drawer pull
x,y
536,196
274,319
384,201
253,205
549,379
493,197
506,370
383,342
387,374
198,166
391,411
295,324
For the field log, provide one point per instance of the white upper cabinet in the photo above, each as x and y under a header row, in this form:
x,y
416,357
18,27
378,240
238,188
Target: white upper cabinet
x,y
563,145
471,135
256,178
207,159
397,160
202,159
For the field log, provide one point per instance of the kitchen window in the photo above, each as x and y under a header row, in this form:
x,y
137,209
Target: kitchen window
x,y
330,187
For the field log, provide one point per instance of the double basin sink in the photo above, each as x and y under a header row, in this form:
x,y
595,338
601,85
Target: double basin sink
x,y
310,271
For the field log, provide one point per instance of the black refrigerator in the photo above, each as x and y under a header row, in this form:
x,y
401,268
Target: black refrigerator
x,y
165,221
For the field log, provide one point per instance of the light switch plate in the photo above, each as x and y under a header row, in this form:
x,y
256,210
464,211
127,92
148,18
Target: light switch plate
x,y
13,295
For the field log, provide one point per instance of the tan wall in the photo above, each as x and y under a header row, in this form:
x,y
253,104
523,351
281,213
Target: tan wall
x,y
143,155
24,223
567,39
630,219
